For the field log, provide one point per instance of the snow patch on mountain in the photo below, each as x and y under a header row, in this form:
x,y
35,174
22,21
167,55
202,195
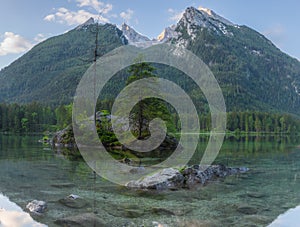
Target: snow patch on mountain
x,y
133,37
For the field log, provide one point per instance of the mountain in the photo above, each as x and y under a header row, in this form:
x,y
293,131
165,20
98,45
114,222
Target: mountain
x,y
136,39
132,36
51,70
252,72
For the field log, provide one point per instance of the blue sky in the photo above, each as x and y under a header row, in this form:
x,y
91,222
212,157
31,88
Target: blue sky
x,y
24,23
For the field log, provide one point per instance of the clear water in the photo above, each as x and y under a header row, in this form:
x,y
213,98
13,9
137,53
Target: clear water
x,y
31,171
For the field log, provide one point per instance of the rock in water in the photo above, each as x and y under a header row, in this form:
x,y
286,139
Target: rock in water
x,y
37,207
171,178
197,174
84,220
73,201
165,179
247,209
63,185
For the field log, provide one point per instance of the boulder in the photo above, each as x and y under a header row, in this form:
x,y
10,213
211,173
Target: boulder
x,y
37,207
165,179
197,174
188,177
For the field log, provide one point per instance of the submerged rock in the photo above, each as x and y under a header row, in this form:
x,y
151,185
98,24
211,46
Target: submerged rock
x,y
247,209
124,210
37,207
84,220
197,223
171,178
73,201
170,211
256,195
63,185
258,219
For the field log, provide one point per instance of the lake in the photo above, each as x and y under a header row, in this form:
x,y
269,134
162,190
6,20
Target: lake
x,y
30,170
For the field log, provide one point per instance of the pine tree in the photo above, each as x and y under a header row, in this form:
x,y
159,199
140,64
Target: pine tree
x,y
147,109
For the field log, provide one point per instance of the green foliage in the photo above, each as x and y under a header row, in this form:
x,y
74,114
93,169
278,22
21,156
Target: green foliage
x,y
50,72
262,123
147,109
31,117
253,74
34,117
63,115
105,133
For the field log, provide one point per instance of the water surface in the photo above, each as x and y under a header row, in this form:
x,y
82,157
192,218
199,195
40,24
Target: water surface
x,y
31,171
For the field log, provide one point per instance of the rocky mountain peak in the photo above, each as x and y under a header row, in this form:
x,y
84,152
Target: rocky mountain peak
x,y
132,36
203,17
167,34
193,19
211,14
87,23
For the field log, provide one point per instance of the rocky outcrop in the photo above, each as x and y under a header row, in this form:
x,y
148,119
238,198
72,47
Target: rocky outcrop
x,y
64,141
64,138
186,178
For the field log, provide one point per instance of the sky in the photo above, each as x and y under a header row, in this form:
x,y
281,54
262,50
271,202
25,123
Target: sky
x,y
24,23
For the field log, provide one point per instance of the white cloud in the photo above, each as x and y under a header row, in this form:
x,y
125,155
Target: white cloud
x,y
50,17
14,44
39,38
175,15
100,7
127,15
64,15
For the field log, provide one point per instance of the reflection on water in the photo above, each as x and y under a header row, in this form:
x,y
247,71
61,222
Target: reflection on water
x,y
288,219
7,205
11,215
29,171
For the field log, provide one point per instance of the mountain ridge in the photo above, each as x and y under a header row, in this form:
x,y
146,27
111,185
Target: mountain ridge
x,y
252,72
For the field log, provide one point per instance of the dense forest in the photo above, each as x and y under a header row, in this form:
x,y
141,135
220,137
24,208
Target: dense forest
x,y
35,117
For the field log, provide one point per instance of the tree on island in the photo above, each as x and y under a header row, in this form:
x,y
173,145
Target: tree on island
x,y
146,109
